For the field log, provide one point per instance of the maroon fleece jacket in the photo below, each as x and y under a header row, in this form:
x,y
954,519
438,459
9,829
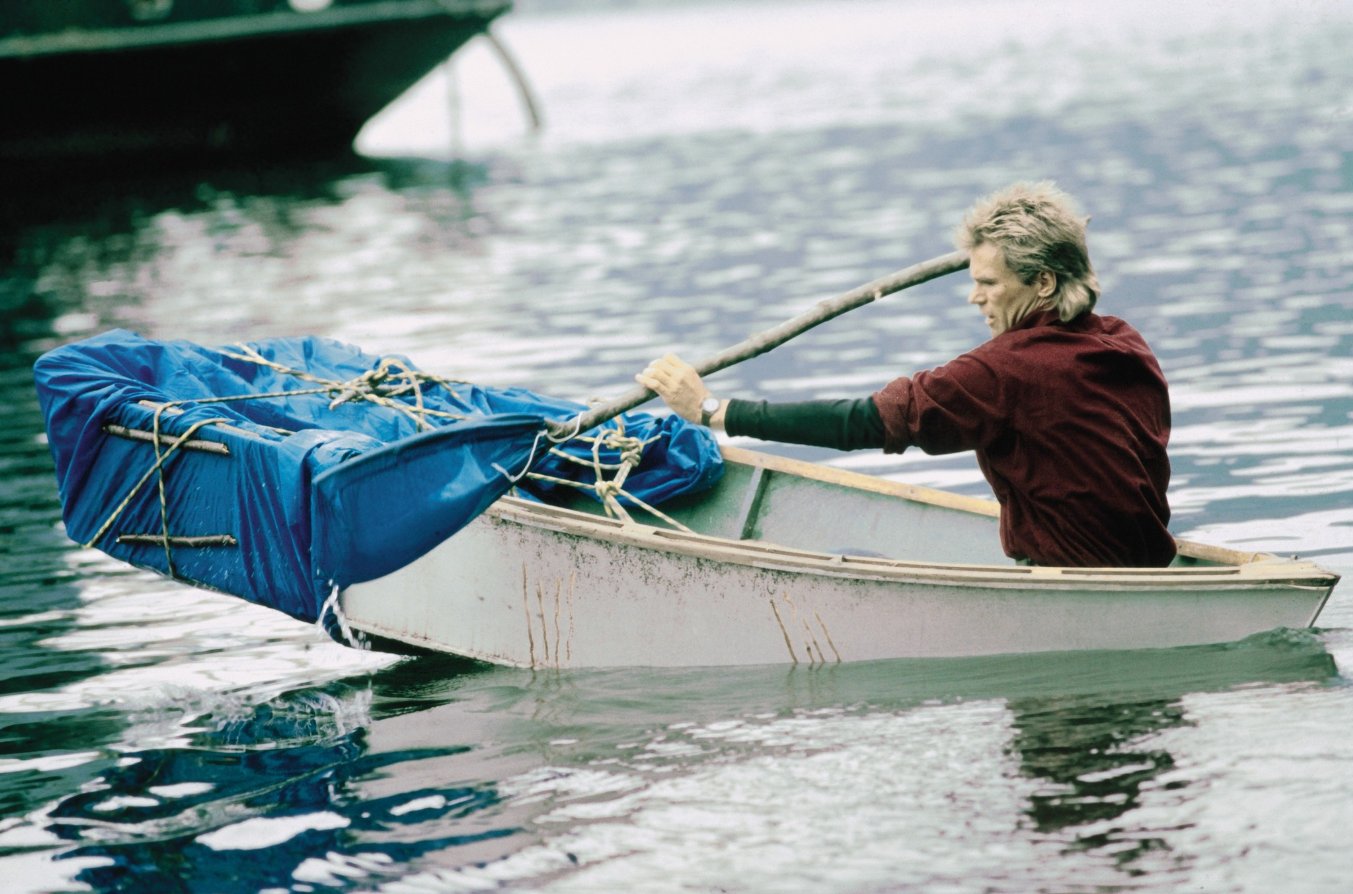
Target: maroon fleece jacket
x,y
1069,421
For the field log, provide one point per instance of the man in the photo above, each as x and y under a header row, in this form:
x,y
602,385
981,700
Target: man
x,y
1067,411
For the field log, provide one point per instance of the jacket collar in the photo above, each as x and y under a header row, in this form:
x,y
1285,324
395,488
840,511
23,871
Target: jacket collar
x,y
1046,317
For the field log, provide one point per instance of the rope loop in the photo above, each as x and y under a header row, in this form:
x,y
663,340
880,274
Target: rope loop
x,y
569,436
334,622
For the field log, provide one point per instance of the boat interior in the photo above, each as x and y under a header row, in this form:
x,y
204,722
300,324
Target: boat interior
x,y
806,506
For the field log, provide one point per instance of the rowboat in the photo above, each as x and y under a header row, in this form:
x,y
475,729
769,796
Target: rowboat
x,y
417,513
790,562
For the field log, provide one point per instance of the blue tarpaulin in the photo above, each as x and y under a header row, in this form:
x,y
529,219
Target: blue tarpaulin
x,y
324,484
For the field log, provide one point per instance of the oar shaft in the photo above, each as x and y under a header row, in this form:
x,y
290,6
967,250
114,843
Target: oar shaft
x,y
762,342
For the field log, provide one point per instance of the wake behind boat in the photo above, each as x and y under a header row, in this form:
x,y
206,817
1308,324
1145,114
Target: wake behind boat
x,y
305,475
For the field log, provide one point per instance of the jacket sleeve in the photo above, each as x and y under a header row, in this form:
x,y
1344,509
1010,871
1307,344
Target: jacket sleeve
x,y
962,405
840,424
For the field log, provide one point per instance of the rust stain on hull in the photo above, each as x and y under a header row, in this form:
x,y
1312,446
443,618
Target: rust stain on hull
x,y
544,629
526,610
816,654
827,633
572,583
555,632
779,620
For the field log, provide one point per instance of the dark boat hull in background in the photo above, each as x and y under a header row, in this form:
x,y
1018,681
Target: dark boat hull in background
x,y
119,80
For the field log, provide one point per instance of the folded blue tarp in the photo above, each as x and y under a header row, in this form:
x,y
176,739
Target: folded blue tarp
x,y
314,495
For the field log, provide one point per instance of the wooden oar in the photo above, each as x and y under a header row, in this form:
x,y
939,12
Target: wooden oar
x,y
478,463
758,344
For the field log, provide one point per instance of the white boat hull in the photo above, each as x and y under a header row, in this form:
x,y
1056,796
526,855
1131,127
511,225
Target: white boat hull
x,y
545,587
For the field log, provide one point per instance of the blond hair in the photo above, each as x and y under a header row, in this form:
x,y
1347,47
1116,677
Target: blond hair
x,y
1037,227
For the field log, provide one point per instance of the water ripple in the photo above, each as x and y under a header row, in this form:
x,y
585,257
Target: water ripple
x,y
709,169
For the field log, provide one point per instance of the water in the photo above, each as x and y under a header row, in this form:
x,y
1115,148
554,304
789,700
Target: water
x,y
706,170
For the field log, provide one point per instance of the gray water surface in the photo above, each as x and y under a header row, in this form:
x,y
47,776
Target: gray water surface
x,y
706,170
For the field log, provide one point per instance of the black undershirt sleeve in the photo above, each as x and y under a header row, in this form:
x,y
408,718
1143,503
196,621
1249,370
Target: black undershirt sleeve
x,y
840,424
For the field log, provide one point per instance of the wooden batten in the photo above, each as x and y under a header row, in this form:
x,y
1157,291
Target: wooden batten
x,y
166,441
186,541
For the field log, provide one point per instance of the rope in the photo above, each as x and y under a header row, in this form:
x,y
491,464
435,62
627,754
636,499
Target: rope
x,y
629,458
583,485
389,380
160,460
367,386
609,491
164,504
331,607
530,461
577,430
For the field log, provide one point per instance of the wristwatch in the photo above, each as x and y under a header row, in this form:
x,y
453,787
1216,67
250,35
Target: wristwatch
x,y
708,407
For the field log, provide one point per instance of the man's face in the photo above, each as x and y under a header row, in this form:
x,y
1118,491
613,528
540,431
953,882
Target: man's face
x,y
999,294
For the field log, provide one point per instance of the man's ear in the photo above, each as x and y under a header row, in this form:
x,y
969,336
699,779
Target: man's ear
x,y
1047,283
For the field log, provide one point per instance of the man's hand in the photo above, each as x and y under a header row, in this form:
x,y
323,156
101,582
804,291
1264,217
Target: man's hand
x,y
677,383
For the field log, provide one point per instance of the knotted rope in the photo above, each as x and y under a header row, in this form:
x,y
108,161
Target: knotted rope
x,y
390,384
389,380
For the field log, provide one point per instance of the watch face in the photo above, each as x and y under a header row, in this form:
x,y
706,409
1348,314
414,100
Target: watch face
x,y
710,405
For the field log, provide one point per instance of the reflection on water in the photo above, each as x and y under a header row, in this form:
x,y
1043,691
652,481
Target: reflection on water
x,y
892,769
274,784
1091,768
483,775
708,170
